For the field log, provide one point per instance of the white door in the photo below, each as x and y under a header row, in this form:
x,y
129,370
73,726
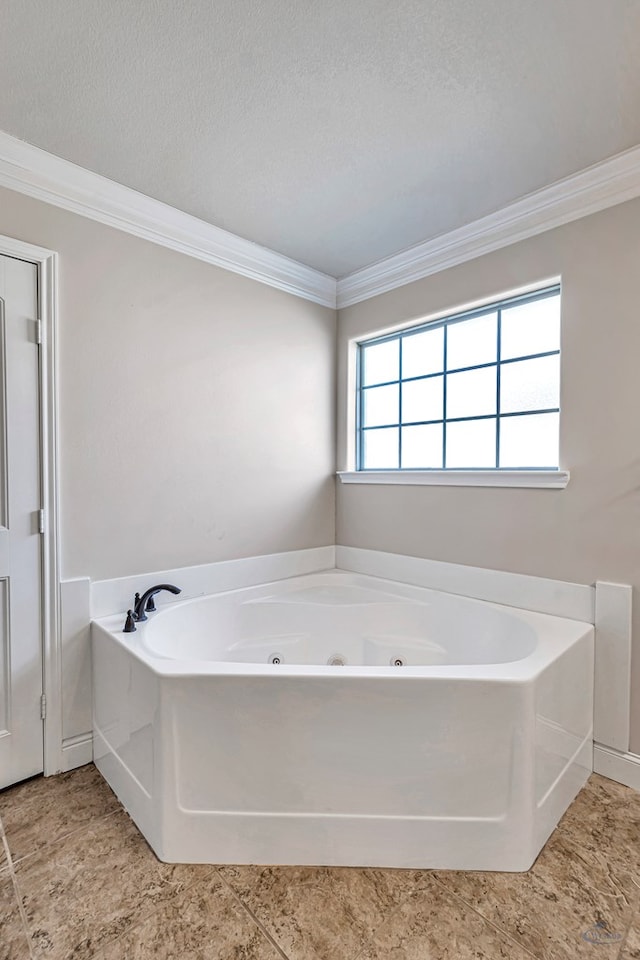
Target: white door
x,y
21,731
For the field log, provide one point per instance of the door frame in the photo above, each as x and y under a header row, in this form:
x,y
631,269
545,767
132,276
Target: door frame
x,y
46,262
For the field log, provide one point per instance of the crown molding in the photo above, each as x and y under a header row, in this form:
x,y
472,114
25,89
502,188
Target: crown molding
x,y
602,185
27,169
34,172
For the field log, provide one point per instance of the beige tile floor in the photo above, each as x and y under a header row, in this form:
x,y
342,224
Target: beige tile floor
x,y
77,880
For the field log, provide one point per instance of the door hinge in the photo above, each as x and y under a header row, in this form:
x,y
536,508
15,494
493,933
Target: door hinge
x,y
40,521
38,331
43,707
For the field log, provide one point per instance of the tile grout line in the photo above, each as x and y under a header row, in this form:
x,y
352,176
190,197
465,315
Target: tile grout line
x,y
503,933
146,916
255,919
17,893
65,836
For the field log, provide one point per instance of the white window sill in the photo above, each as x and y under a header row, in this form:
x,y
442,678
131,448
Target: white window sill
x,y
549,479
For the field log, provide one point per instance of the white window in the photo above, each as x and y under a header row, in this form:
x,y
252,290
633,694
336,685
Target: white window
x,y
475,391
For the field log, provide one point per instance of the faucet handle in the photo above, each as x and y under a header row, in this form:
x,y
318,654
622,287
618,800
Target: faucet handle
x,y
136,608
151,605
130,623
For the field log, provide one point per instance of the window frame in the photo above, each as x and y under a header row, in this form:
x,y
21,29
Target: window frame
x,y
483,476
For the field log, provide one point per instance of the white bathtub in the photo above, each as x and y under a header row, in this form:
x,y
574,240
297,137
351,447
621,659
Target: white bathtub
x,y
462,756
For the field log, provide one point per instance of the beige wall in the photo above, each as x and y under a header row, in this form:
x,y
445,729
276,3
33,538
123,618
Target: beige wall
x,y
196,406
589,531
197,414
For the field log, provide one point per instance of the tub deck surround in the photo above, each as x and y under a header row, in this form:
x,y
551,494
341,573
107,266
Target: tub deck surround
x,y
556,597
606,605
60,899
116,596
463,757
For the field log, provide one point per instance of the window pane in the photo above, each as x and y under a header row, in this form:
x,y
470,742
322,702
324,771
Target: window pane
x,y
529,441
422,447
530,384
422,400
423,353
471,342
531,328
380,406
380,363
380,449
471,444
471,394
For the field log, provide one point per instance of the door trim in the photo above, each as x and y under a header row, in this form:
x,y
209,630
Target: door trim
x,y
46,262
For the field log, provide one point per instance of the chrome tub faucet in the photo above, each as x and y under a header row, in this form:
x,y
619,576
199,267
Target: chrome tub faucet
x,y
144,604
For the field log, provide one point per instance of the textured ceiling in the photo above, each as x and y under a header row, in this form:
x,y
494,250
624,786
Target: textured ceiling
x,y
334,131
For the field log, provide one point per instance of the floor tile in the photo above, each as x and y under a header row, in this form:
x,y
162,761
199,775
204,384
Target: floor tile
x,y
204,922
604,819
45,809
95,885
433,925
631,949
548,909
92,888
315,913
13,939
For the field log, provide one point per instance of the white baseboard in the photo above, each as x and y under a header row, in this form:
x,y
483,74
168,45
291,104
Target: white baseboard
x,y
76,658
77,751
622,767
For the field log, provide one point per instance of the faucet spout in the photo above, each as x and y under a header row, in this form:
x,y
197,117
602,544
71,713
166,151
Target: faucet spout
x,y
145,602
